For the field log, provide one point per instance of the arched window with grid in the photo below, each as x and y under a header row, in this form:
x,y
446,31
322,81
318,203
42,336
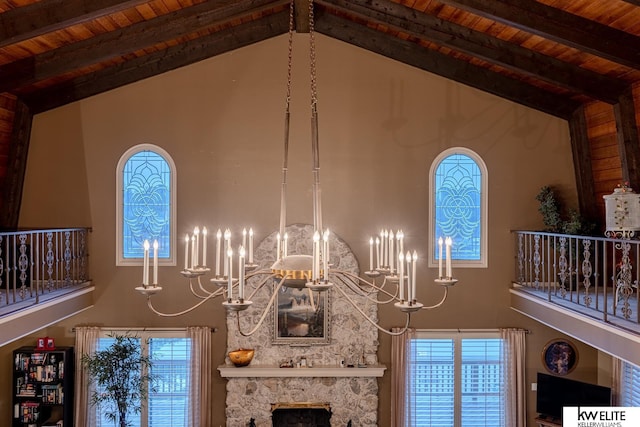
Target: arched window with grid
x,y
145,208
458,207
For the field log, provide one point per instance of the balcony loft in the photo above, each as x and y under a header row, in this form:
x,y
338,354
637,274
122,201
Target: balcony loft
x,y
585,287
44,278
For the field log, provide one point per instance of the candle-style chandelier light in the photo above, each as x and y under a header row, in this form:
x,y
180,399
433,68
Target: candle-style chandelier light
x,y
391,274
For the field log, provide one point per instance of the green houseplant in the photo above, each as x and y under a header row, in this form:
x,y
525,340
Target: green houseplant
x,y
121,375
558,219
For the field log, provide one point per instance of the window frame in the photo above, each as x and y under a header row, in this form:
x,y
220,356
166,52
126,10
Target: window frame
x,y
456,336
484,197
144,334
120,259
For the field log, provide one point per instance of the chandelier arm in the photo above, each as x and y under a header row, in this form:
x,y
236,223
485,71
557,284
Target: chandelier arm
x,y
363,294
380,328
264,312
196,294
264,281
180,313
371,284
444,297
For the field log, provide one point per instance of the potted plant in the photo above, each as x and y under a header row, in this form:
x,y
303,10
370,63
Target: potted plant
x,y
121,377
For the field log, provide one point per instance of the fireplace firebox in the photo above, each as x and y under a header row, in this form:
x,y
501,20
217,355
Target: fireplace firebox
x,y
298,414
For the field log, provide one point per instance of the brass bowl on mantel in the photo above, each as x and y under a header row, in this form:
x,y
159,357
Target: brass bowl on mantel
x,y
242,356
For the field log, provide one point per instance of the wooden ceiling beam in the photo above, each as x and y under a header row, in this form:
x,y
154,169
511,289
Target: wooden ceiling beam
x,y
491,49
43,17
583,171
126,40
301,15
628,140
158,62
559,26
12,186
634,2
432,61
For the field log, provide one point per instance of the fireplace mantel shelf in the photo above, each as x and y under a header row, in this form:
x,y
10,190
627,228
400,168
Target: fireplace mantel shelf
x,y
272,371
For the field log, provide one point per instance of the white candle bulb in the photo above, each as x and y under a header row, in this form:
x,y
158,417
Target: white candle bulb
x,y
251,246
244,237
325,254
371,254
227,246
194,254
218,238
448,244
145,264
186,252
407,258
195,257
385,249
400,237
392,255
155,262
241,273
440,257
204,246
316,255
413,275
229,263
377,252
401,275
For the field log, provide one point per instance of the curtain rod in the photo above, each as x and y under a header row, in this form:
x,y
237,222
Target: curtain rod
x,y
459,330
143,329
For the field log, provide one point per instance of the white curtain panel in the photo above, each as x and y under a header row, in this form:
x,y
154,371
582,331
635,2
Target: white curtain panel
x,y
399,361
200,413
86,343
514,348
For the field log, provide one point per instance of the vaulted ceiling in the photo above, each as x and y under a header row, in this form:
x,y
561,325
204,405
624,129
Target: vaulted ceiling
x,y
556,56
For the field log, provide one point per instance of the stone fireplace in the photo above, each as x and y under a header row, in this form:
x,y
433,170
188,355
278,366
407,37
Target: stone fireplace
x,y
351,392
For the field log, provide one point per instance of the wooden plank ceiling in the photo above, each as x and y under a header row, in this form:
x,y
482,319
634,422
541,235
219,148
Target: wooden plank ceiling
x,y
561,57
551,55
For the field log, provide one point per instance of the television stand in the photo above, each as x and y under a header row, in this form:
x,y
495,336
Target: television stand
x,y
548,422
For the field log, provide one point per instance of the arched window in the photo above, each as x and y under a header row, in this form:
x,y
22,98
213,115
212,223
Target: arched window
x,y
145,204
458,207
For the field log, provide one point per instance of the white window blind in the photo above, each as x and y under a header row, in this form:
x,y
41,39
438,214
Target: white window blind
x,y
455,381
168,404
630,385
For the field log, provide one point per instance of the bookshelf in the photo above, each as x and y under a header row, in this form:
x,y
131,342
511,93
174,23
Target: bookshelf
x,y
43,387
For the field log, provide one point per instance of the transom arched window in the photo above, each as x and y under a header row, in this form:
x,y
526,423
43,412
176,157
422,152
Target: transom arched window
x,y
145,205
458,207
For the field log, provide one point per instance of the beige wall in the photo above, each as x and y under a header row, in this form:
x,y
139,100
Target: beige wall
x,y
381,125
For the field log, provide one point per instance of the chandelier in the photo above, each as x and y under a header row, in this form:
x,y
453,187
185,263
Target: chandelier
x,y
390,278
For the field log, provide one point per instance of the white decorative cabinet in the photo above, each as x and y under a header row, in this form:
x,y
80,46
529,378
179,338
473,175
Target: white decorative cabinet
x,y
622,210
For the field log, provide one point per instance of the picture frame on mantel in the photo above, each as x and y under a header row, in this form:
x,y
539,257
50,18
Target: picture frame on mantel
x,y
301,317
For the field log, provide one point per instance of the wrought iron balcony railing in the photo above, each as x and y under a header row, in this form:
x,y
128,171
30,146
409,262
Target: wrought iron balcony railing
x,y
594,276
38,265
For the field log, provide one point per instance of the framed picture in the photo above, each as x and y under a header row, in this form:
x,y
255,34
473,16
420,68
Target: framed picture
x,y
301,317
50,344
559,357
41,343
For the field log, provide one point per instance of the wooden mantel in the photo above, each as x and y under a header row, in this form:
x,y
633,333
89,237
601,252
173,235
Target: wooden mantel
x,y
272,371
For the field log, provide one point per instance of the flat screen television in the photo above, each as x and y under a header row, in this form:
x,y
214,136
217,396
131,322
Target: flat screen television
x,y
554,393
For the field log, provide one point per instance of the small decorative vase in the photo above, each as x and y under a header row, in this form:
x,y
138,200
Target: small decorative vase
x,y
242,356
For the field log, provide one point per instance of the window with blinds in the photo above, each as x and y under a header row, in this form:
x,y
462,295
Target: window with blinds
x,y
630,385
168,403
455,381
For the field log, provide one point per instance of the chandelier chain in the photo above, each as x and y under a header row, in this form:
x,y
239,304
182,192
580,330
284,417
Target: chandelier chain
x,y
312,55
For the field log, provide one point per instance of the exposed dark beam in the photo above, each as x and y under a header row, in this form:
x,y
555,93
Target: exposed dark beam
x,y
301,16
479,45
16,167
560,26
159,62
628,141
635,2
126,40
583,171
443,65
43,17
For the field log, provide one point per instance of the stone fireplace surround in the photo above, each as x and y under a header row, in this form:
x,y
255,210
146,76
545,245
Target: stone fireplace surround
x,y
351,393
